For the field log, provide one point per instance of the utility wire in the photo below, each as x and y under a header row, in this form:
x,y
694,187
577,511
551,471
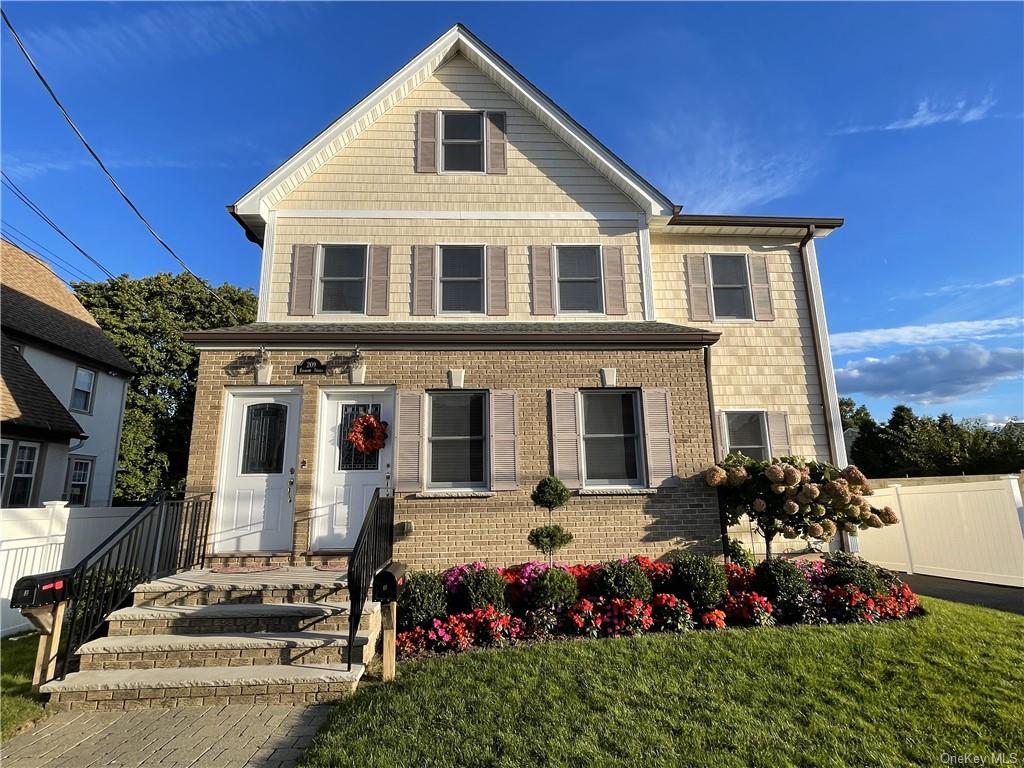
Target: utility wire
x,y
24,237
103,167
6,180
42,261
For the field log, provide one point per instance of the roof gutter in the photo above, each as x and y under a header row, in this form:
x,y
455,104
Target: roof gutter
x,y
250,235
795,222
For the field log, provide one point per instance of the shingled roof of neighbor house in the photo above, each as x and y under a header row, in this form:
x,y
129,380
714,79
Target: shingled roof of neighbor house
x,y
537,333
26,403
38,306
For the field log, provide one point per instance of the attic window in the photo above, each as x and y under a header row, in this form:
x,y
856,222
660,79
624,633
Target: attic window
x,y
462,142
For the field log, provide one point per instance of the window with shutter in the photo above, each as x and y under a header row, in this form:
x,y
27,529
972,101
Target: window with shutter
x,y
462,278
731,287
612,438
462,142
457,440
343,279
747,433
579,278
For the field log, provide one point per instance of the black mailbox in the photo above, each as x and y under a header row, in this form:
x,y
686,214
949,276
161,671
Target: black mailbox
x,y
388,582
42,589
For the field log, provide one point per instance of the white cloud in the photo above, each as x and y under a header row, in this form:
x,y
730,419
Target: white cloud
x,y
931,375
929,113
961,288
934,333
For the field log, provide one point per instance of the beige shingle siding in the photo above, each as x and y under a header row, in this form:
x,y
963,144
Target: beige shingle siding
x,y
770,365
376,170
402,234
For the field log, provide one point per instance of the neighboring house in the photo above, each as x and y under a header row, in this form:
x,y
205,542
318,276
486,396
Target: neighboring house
x,y
470,264
63,391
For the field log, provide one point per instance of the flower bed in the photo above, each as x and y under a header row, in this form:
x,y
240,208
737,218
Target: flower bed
x,y
471,605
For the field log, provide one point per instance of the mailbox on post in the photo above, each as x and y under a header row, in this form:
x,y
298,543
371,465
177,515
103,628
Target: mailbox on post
x,y
388,582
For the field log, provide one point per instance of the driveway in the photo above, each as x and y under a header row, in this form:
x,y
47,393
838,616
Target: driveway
x,y
1009,599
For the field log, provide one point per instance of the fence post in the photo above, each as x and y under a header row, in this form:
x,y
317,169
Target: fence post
x,y
903,527
49,620
389,616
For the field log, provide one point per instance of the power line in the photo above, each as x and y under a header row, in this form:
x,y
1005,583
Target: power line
x,y
41,260
6,180
110,177
40,246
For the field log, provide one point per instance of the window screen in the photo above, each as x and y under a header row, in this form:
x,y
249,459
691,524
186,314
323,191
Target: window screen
x,y
23,475
462,141
731,287
343,279
81,393
457,438
747,434
462,278
79,479
611,437
579,279
263,445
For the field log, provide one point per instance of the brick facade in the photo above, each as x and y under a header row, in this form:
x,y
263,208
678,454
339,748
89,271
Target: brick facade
x,y
451,530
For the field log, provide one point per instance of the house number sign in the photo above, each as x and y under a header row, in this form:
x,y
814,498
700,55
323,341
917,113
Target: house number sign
x,y
310,366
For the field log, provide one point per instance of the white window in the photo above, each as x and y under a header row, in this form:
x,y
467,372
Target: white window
x,y
23,474
747,433
579,279
457,440
730,283
343,279
462,141
5,453
79,482
462,278
612,438
82,390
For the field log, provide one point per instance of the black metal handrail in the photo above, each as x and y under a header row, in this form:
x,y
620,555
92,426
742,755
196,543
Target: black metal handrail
x,y
373,551
162,537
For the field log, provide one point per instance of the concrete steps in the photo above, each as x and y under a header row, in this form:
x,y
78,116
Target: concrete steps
x,y
236,618
203,686
290,585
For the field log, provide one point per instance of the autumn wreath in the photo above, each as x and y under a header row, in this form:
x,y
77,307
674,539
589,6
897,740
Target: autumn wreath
x,y
367,433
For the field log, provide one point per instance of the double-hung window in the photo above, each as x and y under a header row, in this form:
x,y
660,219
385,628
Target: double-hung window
x,y
23,474
82,390
612,438
343,279
731,287
462,142
462,278
79,481
579,279
457,440
748,434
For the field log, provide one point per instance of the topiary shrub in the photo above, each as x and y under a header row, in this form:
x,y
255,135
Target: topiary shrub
x,y
555,589
698,579
480,589
623,580
785,585
550,493
549,539
422,599
739,554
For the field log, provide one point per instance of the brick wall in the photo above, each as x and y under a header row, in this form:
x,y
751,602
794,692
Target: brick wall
x,y
495,529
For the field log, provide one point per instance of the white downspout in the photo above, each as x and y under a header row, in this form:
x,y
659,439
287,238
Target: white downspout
x,y
646,269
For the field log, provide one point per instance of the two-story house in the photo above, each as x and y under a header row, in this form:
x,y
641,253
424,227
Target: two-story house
x,y
63,390
458,257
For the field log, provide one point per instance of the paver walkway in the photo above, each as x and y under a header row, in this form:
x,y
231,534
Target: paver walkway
x,y
187,737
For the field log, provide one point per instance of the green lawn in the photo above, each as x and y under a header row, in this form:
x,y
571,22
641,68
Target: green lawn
x,y
892,695
17,704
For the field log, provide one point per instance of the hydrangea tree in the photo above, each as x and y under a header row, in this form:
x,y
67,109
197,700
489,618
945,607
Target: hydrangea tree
x,y
793,497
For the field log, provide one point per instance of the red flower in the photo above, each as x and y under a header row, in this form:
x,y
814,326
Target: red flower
x,y
713,619
739,577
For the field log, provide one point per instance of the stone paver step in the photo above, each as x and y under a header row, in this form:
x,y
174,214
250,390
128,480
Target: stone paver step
x,y
217,650
203,686
204,587
237,618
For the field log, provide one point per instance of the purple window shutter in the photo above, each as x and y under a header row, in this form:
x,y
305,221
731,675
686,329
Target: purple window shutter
x,y
423,280
698,287
760,287
497,280
614,281
565,437
496,144
300,301
426,142
408,437
503,430
542,275
778,433
378,273
658,440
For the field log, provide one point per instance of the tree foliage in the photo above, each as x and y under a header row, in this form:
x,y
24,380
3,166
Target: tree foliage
x,y
920,446
146,318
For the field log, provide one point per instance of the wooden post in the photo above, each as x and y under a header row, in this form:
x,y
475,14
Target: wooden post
x,y
389,619
58,624
48,621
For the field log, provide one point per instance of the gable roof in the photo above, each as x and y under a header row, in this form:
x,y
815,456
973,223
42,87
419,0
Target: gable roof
x,y
252,208
28,406
37,305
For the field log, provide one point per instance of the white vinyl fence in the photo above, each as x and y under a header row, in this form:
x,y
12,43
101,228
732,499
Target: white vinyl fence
x,y
957,528
45,539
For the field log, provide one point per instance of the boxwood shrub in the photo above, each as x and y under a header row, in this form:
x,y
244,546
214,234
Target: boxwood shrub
x,y
480,589
555,589
627,580
785,586
698,579
422,599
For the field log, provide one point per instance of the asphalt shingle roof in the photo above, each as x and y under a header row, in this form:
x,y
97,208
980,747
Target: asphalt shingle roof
x,y
26,402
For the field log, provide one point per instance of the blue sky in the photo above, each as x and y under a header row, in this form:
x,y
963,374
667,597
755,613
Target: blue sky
x,y
904,118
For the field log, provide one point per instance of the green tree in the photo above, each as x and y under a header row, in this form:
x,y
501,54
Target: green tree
x,y
854,415
146,318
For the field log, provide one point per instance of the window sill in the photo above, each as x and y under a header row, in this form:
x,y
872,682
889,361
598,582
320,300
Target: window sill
x,y
454,494
617,491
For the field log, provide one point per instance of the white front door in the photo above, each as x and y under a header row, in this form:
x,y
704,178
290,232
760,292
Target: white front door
x,y
255,500
346,478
